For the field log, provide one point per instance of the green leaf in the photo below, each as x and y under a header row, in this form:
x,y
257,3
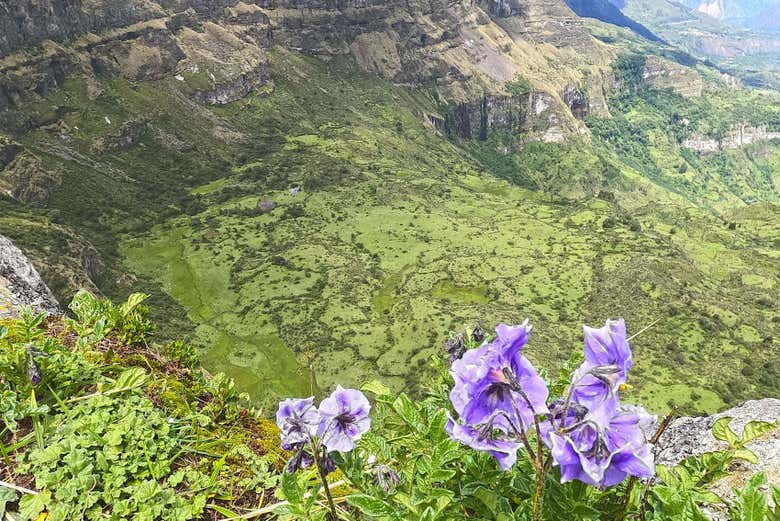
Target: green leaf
x,y
752,504
406,410
377,388
31,506
224,511
6,496
429,514
292,491
130,379
721,431
746,454
133,301
370,505
755,429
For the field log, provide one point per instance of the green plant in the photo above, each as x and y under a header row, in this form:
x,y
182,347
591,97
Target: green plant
x,y
182,352
225,401
97,318
110,454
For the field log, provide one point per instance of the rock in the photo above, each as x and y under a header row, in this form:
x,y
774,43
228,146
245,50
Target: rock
x,y
20,283
8,151
27,180
479,119
692,437
737,137
661,73
265,206
128,135
576,100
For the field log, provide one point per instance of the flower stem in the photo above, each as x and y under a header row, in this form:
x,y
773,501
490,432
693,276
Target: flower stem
x,y
324,478
538,494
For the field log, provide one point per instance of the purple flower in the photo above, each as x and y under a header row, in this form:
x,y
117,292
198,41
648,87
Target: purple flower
x,y
455,347
301,460
601,446
298,419
385,477
34,372
344,419
607,362
496,383
490,438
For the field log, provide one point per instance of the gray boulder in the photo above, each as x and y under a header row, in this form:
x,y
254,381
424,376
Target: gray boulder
x,y
20,283
692,437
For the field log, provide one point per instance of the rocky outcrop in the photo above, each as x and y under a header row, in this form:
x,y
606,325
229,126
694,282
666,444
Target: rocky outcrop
x,y
687,437
128,135
577,101
534,115
20,283
736,137
26,179
214,52
660,73
479,119
25,23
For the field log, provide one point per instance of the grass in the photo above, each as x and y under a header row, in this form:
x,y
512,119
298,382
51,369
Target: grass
x,y
399,236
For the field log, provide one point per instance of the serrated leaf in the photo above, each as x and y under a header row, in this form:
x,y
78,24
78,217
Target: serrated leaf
x,y
722,431
31,506
752,504
406,410
291,489
6,496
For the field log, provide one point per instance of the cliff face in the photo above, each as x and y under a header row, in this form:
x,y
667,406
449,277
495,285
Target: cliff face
x,y
20,283
736,137
217,49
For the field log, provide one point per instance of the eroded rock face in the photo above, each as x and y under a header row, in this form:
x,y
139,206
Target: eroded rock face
x,y
24,23
692,437
661,73
27,180
20,283
576,100
479,119
737,137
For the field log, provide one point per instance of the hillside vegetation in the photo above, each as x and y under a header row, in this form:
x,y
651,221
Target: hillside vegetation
x,y
331,224
99,422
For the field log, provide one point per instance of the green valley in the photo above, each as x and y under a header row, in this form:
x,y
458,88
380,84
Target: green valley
x,y
331,226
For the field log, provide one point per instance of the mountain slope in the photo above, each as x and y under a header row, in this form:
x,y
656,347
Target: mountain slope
x,y
607,12
749,53
335,188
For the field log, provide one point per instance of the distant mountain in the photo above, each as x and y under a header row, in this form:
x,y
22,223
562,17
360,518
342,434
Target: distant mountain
x,y
750,13
733,34
609,11
769,19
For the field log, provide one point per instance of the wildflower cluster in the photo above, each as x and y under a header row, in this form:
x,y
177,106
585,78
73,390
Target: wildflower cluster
x,y
502,404
314,433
